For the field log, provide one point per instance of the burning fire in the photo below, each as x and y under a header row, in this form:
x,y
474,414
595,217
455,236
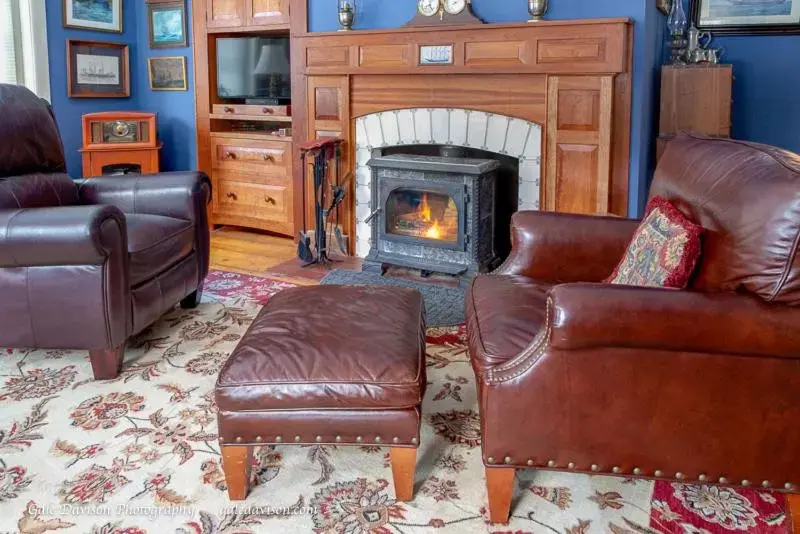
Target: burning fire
x,y
433,232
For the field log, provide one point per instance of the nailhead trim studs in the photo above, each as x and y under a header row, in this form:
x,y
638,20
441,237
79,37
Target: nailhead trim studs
x,y
507,459
278,439
765,484
745,482
788,486
377,439
395,440
702,477
637,471
318,439
616,469
657,473
359,439
490,460
259,439
551,463
530,462
338,439
414,441
679,475
238,439
297,439
723,480
594,467
571,465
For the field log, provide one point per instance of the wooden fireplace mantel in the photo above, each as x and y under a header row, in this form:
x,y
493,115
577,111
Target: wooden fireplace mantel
x,y
571,77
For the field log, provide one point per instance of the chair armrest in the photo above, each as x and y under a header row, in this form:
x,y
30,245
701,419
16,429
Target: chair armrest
x,y
181,195
70,235
597,315
566,248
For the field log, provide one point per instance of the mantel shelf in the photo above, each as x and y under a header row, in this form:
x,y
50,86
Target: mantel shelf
x,y
260,118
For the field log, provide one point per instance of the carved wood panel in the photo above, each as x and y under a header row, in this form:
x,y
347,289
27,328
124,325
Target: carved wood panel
x,y
329,116
225,13
268,12
579,121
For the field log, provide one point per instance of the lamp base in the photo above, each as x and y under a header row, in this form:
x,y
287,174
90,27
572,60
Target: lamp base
x,y
345,29
536,19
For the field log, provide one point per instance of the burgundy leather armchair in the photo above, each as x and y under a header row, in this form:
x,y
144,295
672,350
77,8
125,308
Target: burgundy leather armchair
x,y
699,385
87,264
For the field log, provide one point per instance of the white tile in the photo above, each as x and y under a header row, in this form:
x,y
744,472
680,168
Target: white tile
x,y
362,211
363,196
530,171
390,129
496,133
440,124
363,176
422,125
374,130
405,119
362,248
458,127
361,134
533,149
527,206
363,155
478,120
528,192
518,133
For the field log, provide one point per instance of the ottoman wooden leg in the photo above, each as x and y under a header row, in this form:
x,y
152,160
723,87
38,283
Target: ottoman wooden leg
x,y
500,486
793,502
236,462
404,464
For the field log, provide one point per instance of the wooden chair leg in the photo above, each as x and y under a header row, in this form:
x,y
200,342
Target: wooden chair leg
x,y
236,463
106,363
500,486
793,511
192,300
404,464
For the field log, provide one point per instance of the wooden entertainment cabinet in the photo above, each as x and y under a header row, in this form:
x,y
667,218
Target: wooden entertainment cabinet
x,y
251,170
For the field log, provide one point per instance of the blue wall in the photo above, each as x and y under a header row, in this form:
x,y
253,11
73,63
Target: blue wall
x,y
176,124
647,52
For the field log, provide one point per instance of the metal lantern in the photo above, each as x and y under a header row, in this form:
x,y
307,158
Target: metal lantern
x,y
347,14
537,9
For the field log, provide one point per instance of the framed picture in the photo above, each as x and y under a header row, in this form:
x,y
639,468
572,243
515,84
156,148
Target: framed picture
x,y
747,16
100,15
167,73
167,24
97,69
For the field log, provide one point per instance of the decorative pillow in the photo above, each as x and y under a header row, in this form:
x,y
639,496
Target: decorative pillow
x,y
664,249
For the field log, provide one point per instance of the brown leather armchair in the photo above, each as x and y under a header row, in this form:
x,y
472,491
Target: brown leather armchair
x,y
698,385
87,264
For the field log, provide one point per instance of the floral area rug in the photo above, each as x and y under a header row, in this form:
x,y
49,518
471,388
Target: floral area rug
x,y
140,454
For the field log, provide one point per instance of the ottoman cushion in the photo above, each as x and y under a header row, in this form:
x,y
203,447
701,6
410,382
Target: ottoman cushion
x,y
329,347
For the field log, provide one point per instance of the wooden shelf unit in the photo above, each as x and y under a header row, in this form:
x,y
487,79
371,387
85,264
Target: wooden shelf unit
x,y
251,171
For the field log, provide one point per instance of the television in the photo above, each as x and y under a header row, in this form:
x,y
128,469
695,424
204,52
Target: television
x,y
255,69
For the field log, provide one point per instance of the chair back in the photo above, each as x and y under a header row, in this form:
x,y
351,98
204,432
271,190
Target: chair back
x,y
747,197
32,166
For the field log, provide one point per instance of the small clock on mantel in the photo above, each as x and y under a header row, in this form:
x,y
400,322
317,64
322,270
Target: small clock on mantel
x,y
438,12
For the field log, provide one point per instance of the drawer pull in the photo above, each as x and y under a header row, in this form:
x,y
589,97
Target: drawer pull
x,y
229,109
232,195
270,200
267,157
268,111
229,155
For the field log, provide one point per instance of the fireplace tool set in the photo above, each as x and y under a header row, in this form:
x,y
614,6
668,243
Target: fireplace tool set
x,y
329,193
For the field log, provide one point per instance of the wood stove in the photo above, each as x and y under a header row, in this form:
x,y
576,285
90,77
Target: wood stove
x,y
435,214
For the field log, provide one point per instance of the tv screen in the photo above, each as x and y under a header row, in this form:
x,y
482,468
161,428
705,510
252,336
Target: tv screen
x,y
253,67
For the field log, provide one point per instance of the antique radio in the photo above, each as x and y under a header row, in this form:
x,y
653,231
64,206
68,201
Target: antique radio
x,y
120,143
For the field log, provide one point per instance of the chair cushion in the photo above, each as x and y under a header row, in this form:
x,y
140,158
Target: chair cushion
x,y
663,251
329,347
155,243
504,314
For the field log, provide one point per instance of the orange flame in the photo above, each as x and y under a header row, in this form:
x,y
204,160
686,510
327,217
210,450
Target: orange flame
x,y
425,209
433,232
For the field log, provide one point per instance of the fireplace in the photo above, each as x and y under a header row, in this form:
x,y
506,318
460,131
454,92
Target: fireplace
x,y
433,213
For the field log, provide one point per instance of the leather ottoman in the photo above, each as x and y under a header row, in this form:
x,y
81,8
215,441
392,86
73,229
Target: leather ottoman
x,y
338,365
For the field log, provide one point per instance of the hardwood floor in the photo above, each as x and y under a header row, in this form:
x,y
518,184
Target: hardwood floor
x,y
261,254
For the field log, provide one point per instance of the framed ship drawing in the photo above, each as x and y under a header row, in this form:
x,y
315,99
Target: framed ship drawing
x,y
747,16
97,69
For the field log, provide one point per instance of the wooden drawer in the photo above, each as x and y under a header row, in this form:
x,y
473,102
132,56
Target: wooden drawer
x,y
250,110
270,157
241,199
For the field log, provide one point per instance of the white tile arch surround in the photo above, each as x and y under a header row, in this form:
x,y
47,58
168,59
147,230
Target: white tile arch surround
x,y
445,126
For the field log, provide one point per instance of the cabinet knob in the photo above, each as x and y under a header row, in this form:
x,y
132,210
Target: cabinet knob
x,y
229,155
229,109
268,111
232,195
270,200
268,157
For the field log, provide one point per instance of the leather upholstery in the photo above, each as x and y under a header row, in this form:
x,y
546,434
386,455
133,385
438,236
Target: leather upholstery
x,y
87,264
696,385
328,361
746,196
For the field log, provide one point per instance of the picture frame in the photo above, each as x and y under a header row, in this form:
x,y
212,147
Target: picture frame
x,y
166,24
746,17
97,69
96,15
167,73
